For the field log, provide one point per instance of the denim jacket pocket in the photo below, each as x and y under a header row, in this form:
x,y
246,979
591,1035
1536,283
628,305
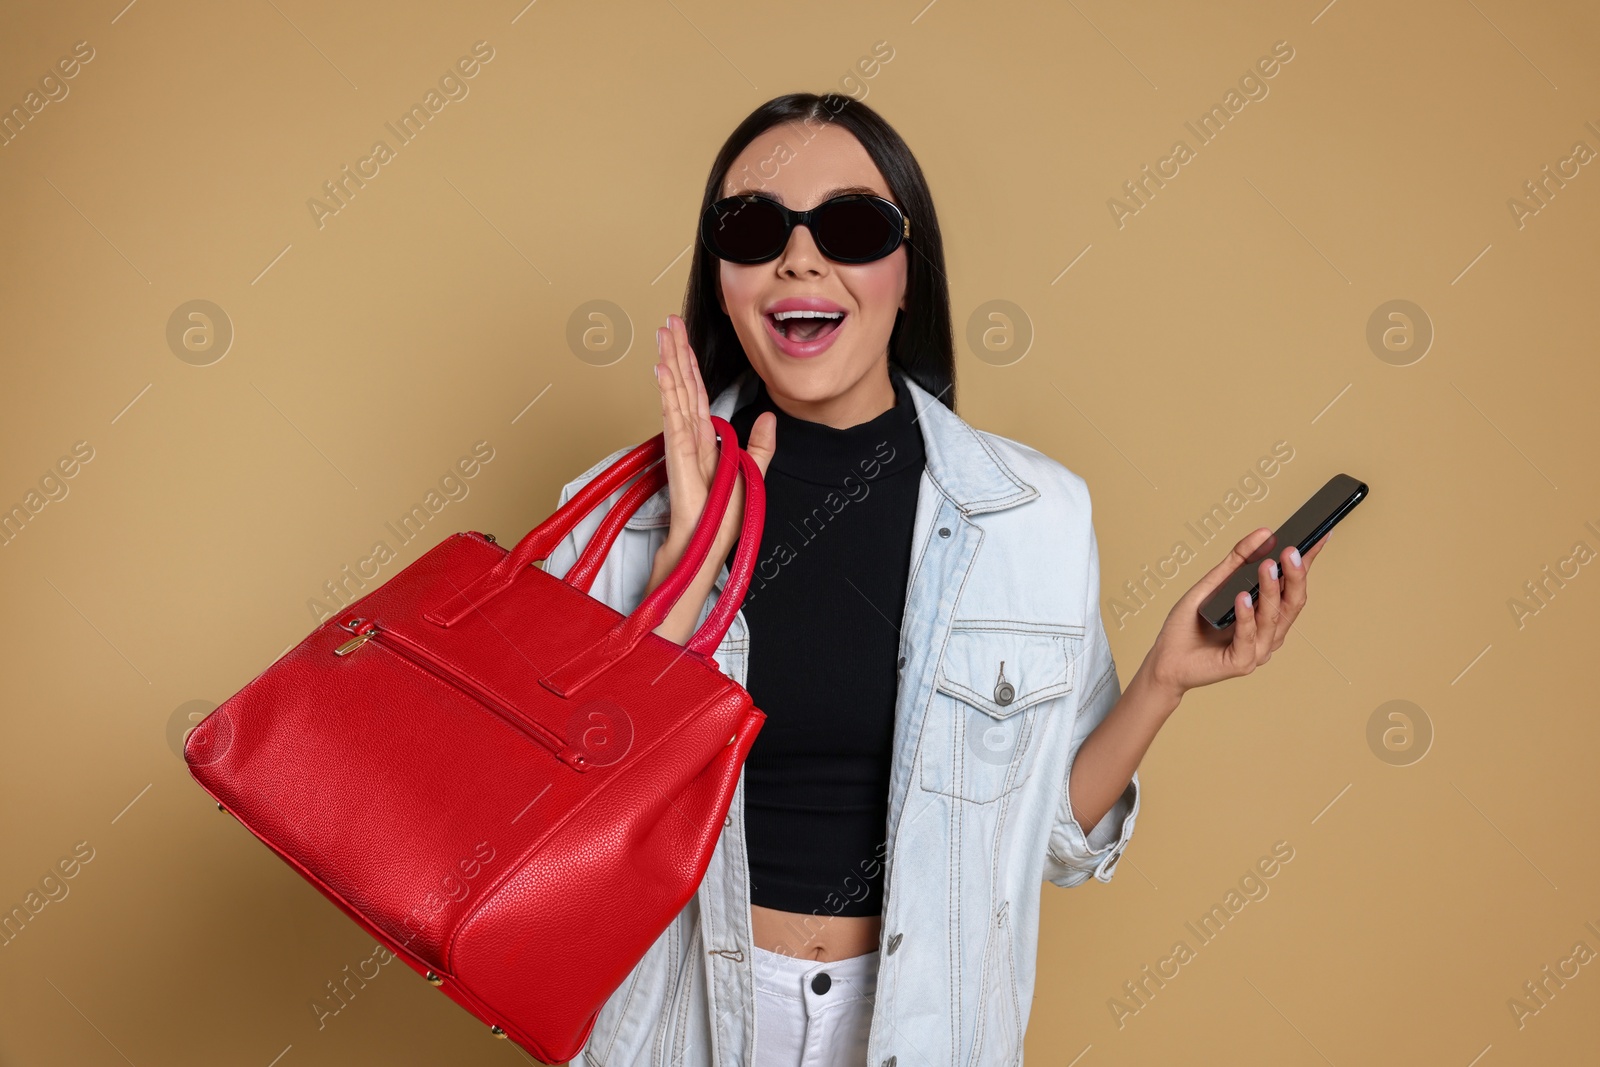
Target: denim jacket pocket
x,y
993,678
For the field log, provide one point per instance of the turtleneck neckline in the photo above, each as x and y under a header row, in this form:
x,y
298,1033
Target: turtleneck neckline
x,y
822,454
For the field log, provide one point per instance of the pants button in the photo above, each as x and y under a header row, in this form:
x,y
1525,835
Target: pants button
x,y
820,983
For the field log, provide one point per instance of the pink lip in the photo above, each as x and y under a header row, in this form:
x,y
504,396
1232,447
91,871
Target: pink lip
x,y
806,349
802,303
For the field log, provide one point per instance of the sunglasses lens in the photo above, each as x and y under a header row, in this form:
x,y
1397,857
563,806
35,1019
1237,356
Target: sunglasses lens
x,y
745,231
855,231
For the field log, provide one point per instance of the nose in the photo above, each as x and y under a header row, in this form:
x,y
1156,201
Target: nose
x,y
800,255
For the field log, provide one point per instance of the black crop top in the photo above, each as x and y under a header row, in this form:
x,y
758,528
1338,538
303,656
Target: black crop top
x,y
824,611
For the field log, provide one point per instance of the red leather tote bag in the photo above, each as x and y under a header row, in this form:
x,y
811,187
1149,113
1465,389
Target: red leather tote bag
x,y
510,785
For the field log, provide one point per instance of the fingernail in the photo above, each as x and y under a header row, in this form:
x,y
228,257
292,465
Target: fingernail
x,y
1294,558
1274,569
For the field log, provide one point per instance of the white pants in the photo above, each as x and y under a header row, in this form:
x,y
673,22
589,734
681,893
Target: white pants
x,y
811,1013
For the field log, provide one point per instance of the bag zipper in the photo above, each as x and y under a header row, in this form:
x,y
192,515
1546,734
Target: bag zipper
x,y
365,630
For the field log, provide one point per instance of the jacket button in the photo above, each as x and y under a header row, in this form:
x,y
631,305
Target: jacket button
x,y
894,943
820,983
902,662
889,1062
1003,693
944,531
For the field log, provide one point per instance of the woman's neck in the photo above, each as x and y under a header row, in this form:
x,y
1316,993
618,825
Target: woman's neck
x,y
865,400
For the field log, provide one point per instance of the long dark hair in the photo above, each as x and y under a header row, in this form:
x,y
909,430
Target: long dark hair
x,y
921,343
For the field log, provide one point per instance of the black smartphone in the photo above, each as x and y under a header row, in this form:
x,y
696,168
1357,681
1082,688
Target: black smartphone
x,y
1303,529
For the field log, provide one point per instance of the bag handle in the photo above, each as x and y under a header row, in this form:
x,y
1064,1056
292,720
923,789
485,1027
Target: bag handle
x,y
540,541
731,599
581,574
616,643
566,679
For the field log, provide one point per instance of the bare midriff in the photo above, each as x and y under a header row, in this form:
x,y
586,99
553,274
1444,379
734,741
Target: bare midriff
x,y
814,937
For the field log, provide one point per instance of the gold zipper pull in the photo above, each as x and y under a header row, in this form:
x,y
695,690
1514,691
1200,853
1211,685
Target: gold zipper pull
x,y
351,645
364,631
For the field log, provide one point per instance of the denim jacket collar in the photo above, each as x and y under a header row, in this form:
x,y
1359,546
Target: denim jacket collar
x,y
959,463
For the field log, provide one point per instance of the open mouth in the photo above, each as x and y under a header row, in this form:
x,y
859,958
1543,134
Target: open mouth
x,y
804,327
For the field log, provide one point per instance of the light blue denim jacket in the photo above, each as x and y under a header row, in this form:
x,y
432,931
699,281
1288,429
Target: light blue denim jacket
x,y
1004,568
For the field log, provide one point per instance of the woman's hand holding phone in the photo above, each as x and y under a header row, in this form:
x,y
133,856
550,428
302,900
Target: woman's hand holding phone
x,y
691,458
1189,653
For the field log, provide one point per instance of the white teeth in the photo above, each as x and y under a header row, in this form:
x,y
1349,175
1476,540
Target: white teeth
x,y
783,315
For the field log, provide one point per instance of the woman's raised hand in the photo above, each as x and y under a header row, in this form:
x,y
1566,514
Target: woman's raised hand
x,y
691,458
1189,653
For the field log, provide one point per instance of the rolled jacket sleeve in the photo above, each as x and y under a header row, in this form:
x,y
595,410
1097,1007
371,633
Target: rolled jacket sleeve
x,y
1074,856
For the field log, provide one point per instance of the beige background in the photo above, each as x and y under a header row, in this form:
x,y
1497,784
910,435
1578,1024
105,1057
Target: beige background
x,y
1229,313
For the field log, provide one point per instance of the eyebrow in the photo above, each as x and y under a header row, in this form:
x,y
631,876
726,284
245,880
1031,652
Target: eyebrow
x,y
842,190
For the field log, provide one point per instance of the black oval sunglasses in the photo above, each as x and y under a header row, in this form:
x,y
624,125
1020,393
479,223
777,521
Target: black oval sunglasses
x,y
853,228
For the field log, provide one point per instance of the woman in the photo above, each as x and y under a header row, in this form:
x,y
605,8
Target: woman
x,y
922,630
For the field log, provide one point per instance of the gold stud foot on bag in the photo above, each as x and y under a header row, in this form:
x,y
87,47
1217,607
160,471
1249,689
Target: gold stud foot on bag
x,y
497,1032
434,979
